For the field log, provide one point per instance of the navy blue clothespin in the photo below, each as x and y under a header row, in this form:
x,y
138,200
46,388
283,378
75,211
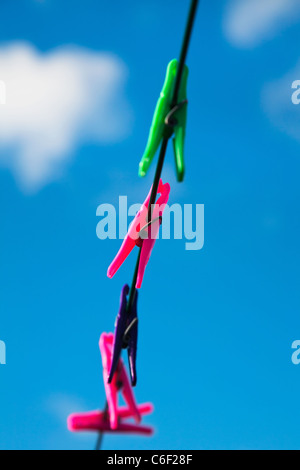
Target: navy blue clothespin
x,y
126,333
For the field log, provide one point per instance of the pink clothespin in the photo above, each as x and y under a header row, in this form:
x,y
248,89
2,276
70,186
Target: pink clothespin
x,y
149,231
98,421
120,382
112,420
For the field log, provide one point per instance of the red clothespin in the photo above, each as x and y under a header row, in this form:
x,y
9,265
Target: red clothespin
x,y
142,233
112,420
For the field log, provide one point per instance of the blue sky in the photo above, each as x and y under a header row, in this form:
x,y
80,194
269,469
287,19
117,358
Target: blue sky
x,y
216,325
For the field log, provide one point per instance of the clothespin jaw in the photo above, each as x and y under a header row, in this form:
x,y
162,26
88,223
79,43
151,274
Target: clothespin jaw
x,y
162,127
99,421
120,327
133,236
181,118
126,321
132,338
153,229
158,126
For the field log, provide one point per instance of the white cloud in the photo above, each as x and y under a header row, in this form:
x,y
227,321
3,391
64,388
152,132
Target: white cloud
x,y
247,23
54,103
61,406
278,105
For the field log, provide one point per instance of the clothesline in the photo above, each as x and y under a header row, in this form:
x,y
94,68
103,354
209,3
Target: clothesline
x,y
167,123
164,145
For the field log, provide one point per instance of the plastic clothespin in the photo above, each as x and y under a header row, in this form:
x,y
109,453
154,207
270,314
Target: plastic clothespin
x,y
119,383
112,419
149,233
98,421
126,320
166,121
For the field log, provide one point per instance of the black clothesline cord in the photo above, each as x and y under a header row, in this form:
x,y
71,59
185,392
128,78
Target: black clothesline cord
x,y
162,153
100,435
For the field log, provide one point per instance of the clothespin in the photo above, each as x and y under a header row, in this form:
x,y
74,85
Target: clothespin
x,y
142,233
126,332
119,382
112,419
98,421
167,120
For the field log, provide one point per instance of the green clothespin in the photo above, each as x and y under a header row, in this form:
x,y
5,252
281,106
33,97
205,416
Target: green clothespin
x,y
167,121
